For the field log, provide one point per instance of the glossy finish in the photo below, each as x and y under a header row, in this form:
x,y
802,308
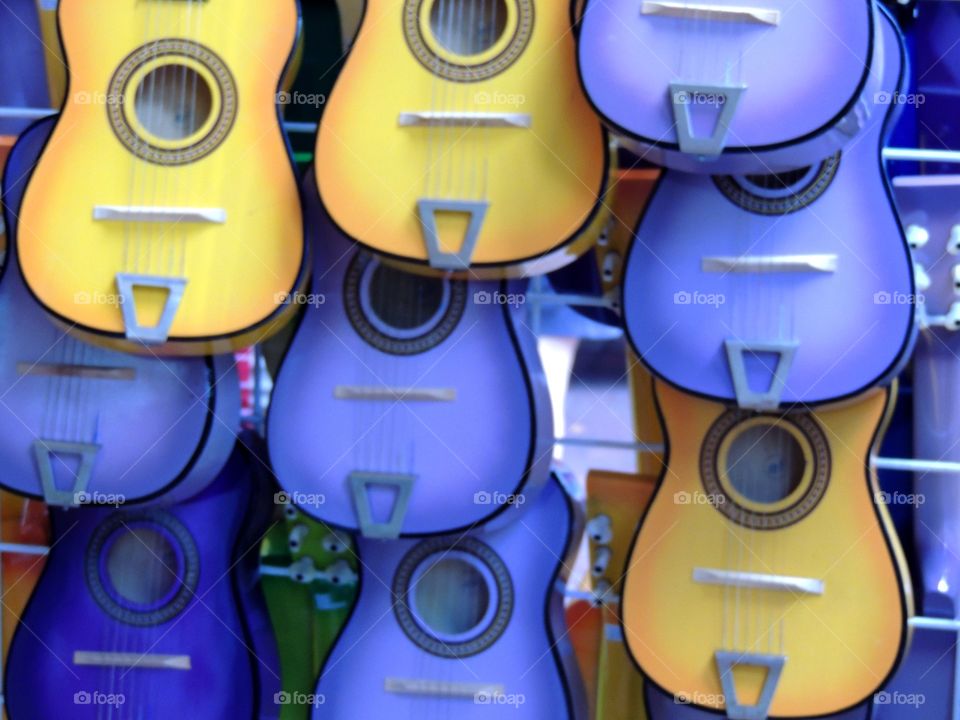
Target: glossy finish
x,y
63,617
629,61
233,271
679,317
531,659
467,455
542,182
170,426
845,642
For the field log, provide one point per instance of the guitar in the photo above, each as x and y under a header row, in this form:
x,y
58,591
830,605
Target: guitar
x,y
615,503
784,569
496,161
388,355
308,575
25,524
467,626
929,209
715,87
178,221
87,425
788,288
153,625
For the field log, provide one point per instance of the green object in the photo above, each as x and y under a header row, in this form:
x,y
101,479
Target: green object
x,y
306,616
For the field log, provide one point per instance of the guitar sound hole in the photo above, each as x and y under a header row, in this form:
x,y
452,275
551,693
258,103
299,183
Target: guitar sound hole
x,y
141,566
142,569
765,464
397,312
765,471
173,102
468,27
451,597
404,301
780,193
454,598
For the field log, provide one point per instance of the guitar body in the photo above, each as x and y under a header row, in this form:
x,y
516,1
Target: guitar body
x,y
786,500
175,193
753,266
468,626
615,503
154,586
83,424
414,371
24,522
515,148
703,87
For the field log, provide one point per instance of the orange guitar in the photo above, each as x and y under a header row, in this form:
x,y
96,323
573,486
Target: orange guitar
x,y
457,136
178,222
765,579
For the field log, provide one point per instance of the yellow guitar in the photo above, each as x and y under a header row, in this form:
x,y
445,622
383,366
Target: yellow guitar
x,y
457,136
177,219
766,579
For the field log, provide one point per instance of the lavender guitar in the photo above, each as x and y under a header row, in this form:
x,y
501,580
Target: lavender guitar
x,y
82,424
722,86
467,626
137,614
925,684
406,405
789,288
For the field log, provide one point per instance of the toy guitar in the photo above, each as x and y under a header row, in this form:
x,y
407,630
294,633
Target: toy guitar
x,y
178,222
152,627
615,503
787,288
386,353
931,214
83,424
308,574
714,87
785,571
467,626
496,160
26,535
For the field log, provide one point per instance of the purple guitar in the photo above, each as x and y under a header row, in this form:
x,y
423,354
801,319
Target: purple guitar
x,y
467,626
406,405
137,613
722,86
82,424
770,289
